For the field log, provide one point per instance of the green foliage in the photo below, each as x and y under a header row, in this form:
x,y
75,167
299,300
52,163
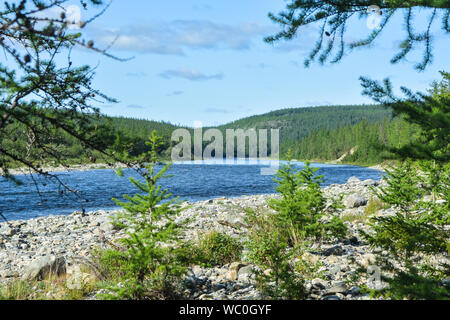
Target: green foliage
x,y
414,284
333,18
296,124
402,187
276,239
44,102
211,249
373,206
145,264
218,249
51,288
431,113
268,249
302,205
321,133
361,143
417,232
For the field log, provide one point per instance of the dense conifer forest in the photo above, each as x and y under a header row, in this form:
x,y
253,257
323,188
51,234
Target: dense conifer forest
x,y
327,133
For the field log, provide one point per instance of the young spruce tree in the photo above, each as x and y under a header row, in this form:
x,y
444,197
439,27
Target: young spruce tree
x,y
276,239
145,265
302,205
416,236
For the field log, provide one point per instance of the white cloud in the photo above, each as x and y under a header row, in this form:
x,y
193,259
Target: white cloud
x,y
135,106
175,93
190,74
176,36
216,110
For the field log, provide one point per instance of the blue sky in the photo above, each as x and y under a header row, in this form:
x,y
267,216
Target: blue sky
x,y
206,61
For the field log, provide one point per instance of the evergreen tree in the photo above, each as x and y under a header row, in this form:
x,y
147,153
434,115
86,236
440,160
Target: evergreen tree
x,y
334,16
41,102
268,248
416,234
302,205
431,113
146,264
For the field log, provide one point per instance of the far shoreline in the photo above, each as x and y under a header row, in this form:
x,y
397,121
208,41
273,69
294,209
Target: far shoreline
x,y
100,166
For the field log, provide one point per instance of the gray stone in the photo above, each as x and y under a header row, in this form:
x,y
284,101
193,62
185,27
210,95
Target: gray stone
x,y
107,226
44,266
354,241
331,297
7,231
236,266
335,251
245,271
370,182
354,201
334,270
318,283
354,291
339,287
353,180
7,274
190,282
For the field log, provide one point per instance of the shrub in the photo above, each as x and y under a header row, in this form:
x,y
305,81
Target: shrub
x,y
373,206
218,249
415,233
52,287
302,205
212,249
268,249
144,265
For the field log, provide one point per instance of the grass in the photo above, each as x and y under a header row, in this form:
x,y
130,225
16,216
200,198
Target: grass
x,y
211,249
373,206
51,288
219,249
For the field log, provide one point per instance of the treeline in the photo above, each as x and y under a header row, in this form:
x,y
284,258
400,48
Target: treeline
x,y
315,133
135,133
120,134
360,143
297,123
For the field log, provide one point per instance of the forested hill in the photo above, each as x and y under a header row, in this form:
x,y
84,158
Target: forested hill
x,y
143,128
346,132
297,123
313,133
294,123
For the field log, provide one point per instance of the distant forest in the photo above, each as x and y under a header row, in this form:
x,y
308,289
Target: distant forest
x,y
327,133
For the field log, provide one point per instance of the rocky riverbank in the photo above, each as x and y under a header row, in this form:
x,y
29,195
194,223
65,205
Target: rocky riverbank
x,y
29,247
75,167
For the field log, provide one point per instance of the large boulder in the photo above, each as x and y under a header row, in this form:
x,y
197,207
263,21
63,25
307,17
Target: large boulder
x,y
44,266
338,287
354,200
353,179
335,251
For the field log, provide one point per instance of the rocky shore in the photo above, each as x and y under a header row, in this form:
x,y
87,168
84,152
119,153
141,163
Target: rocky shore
x,y
93,166
27,247
75,167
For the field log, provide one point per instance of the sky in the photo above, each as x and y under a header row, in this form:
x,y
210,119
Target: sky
x,y
198,60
